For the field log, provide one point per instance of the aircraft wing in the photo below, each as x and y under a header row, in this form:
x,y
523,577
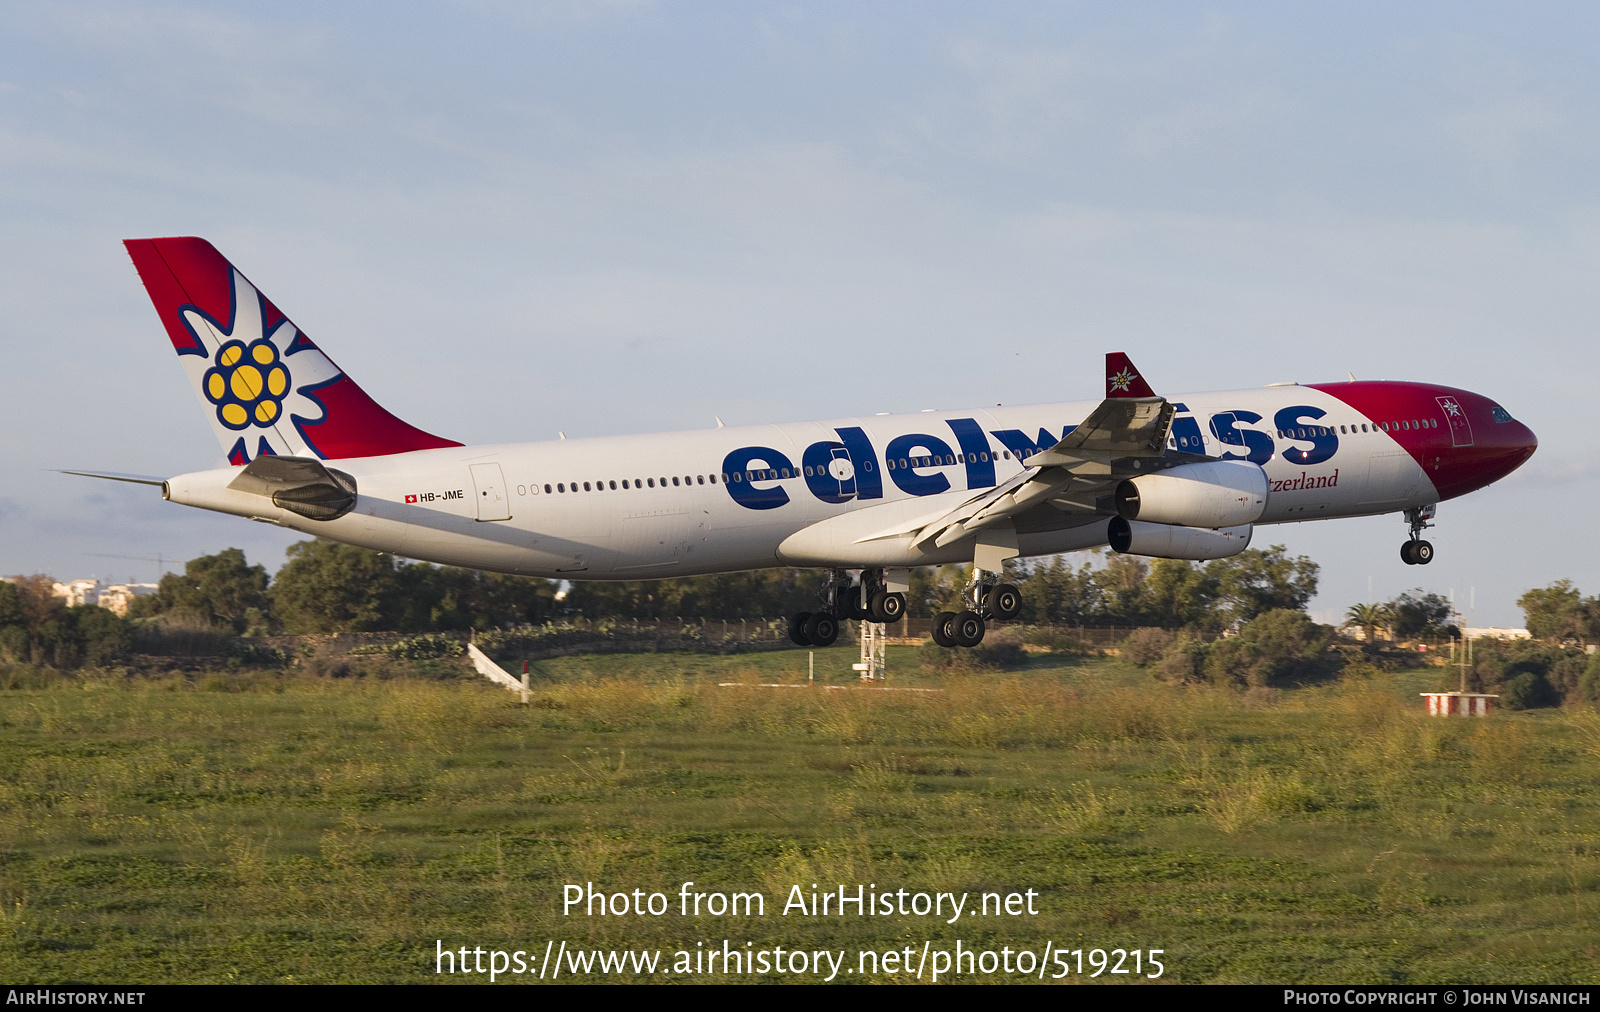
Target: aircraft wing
x,y
1125,436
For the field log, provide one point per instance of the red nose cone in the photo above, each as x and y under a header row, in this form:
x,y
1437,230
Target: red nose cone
x,y
1462,440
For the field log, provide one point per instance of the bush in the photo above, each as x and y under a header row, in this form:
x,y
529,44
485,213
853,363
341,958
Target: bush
x,y
1183,662
415,648
1054,638
1527,691
1001,650
1277,647
1145,647
1589,685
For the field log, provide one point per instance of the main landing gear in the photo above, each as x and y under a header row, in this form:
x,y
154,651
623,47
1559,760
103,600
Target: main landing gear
x,y
1417,552
867,601
986,598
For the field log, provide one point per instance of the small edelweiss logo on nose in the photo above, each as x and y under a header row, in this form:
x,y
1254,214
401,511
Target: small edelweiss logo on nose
x,y
247,383
1123,380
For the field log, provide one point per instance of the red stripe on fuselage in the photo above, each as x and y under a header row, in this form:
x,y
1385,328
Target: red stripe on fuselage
x,y
1416,420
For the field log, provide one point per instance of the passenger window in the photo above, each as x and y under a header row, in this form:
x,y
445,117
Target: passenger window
x,y
561,487
984,456
702,479
663,481
613,485
624,483
652,483
674,479
586,486
547,490
736,476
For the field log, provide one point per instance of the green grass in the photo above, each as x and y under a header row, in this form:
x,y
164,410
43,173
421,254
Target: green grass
x,y
259,829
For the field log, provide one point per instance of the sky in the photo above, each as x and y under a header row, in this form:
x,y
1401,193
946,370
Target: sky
x,y
507,220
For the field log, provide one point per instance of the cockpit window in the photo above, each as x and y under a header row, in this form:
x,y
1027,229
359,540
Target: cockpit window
x,y
1500,414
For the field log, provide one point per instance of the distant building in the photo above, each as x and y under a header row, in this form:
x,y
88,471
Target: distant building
x,y
78,592
118,597
1497,634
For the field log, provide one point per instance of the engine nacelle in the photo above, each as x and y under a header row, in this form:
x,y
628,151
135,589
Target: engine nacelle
x,y
1168,541
1217,493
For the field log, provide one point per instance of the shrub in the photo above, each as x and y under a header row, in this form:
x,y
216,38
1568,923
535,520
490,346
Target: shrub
x,y
1589,685
1527,691
1145,647
1001,649
1277,647
1183,662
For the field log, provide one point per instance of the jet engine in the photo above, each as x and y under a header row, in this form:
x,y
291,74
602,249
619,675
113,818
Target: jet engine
x,y
1169,541
1217,493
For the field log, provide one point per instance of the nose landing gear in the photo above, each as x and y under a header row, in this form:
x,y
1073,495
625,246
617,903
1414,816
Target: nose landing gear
x,y
1417,552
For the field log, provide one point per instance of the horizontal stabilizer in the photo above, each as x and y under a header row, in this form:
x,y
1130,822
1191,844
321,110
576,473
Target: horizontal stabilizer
x,y
302,485
137,479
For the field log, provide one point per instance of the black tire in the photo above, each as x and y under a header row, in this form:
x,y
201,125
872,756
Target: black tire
x,y
943,624
797,628
822,629
850,605
1004,602
1405,553
888,607
968,629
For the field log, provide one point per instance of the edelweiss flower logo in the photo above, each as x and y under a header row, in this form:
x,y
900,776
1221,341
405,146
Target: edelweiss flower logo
x,y
1123,380
247,384
1450,406
263,379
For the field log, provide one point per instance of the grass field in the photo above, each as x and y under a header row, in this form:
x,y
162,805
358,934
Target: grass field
x,y
255,828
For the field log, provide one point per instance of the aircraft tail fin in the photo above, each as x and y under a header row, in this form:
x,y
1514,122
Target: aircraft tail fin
x,y
1122,379
265,386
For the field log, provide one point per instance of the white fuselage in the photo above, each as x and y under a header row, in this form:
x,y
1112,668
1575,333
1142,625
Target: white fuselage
x,y
560,509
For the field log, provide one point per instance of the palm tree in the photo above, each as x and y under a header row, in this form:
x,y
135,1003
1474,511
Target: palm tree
x,y
1369,617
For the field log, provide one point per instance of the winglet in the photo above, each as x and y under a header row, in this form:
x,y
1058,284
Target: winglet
x,y
1122,379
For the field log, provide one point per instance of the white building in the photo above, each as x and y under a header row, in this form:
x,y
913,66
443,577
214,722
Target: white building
x,y
78,592
118,597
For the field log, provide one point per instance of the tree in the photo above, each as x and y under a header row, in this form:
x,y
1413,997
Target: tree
x,y
1556,612
1369,618
328,587
223,590
1179,595
1415,614
1255,582
1274,647
1053,591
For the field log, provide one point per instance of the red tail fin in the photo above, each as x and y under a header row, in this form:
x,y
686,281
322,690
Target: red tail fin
x,y
1122,379
266,387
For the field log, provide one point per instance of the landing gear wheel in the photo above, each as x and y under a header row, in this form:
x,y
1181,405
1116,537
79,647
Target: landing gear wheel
x,y
944,628
797,629
822,629
1406,551
888,607
1004,602
850,605
967,628
1422,552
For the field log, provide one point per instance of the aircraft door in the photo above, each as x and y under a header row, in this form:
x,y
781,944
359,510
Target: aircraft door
x,y
489,488
843,470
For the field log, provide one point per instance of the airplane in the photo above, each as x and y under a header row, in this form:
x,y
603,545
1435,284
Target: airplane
x,y
862,500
